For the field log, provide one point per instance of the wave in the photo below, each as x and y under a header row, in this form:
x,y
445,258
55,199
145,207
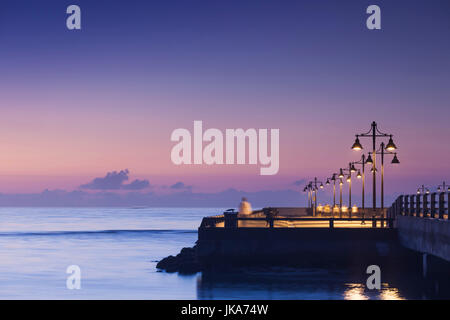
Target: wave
x,y
93,232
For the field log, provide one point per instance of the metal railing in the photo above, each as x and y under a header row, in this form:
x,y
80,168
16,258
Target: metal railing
x,y
433,205
233,221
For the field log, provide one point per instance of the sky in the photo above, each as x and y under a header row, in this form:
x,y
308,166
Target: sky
x,y
77,105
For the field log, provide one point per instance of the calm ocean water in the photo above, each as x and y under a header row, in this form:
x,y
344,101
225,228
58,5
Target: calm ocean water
x,y
117,250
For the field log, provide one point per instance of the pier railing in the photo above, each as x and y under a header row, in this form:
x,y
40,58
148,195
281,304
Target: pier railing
x,y
433,205
233,221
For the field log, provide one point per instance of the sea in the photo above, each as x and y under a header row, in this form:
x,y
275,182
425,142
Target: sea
x,y
117,249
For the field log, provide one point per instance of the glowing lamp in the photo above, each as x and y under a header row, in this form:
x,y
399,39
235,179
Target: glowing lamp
x,y
391,145
357,145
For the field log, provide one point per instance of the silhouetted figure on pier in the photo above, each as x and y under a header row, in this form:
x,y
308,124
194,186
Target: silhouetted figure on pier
x,y
245,207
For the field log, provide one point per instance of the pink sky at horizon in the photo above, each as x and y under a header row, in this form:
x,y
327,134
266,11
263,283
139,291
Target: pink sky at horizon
x,y
76,105
64,149
60,146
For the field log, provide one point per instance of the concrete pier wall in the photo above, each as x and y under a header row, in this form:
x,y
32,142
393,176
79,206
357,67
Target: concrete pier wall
x,y
426,235
306,246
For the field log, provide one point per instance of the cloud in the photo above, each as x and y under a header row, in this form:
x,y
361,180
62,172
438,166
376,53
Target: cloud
x,y
115,181
300,182
137,185
229,198
180,186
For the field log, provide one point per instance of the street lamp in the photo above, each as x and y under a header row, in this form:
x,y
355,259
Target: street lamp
x,y
357,145
423,190
374,133
340,198
362,176
309,189
382,151
312,186
333,178
351,168
442,187
391,146
395,159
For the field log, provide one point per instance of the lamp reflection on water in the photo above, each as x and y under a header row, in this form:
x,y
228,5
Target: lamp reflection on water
x,y
357,291
390,294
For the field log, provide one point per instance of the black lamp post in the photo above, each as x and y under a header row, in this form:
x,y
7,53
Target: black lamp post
x,y
362,176
333,178
312,187
382,151
443,187
374,133
348,171
309,189
340,197
423,190
336,177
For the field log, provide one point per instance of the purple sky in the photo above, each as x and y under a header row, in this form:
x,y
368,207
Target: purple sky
x,y
76,105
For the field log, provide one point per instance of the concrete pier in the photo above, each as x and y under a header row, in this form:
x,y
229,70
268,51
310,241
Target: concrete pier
x,y
299,246
425,235
291,236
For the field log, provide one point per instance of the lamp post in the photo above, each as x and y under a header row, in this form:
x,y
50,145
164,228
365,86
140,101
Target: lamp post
x,y
306,189
340,197
382,151
309,189
362,176
351,169
423,190
337,177
442,187
333,178
374,133
312,187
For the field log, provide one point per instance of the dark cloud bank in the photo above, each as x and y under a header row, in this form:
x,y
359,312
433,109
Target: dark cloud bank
x,y
115,181
113,191
180,186
228,198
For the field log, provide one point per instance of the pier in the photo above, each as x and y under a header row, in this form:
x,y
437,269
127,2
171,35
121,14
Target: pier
x,y
423,223
297,238
412,223
404,235
334,234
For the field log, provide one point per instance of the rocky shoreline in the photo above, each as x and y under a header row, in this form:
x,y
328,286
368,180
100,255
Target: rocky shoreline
x,y
186,262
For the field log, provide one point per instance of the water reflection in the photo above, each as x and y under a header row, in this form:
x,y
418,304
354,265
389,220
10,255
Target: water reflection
x,y
390,294
358,291
355,291
292,284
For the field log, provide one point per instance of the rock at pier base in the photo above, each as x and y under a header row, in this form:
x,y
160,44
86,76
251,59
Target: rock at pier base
x,y
185,262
